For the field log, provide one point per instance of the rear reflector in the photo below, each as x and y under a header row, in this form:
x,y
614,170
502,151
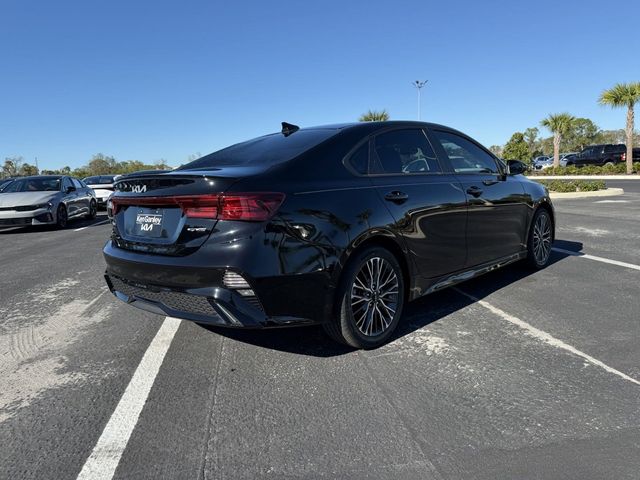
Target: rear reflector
x,y
234,280
251,207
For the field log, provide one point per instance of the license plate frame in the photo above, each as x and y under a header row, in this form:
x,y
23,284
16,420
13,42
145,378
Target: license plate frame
x,y
148,223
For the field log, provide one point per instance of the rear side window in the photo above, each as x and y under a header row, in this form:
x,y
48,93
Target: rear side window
x,y
359,160
404,152
464,155
267,150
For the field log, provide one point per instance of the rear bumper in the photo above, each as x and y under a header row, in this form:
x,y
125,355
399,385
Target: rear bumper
x,y
291,279
214,306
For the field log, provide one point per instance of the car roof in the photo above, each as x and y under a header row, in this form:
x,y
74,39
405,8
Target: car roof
x,y
369,127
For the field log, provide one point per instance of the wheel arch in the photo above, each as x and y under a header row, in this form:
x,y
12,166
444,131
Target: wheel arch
x,y
548,206
380,238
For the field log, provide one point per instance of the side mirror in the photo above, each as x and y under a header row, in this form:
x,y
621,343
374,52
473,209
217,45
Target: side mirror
x,y
71,189
516,167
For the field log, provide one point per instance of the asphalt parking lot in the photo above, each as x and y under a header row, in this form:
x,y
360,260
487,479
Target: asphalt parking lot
x,y
513,375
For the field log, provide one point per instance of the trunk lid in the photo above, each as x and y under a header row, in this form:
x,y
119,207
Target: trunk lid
x,y
149,208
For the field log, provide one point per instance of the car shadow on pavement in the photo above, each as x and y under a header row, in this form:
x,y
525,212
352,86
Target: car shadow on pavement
x,y
312,341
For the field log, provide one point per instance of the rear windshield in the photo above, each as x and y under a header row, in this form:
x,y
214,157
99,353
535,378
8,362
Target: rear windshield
x,y
267,150
51,184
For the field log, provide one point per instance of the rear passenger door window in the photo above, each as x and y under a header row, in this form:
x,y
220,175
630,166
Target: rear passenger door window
x,y
404,152
464,155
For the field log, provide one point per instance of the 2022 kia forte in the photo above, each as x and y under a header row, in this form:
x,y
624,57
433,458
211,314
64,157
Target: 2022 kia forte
x,y
339,225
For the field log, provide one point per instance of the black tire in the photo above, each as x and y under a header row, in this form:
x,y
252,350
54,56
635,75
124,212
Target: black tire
x,y
62,218
540,240
93,210
374,329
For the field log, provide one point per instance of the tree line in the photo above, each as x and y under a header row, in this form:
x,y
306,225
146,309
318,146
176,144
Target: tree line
x,y
99,164
582,132
573,134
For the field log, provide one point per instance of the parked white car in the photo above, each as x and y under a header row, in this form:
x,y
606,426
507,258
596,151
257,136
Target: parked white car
x,y
102,185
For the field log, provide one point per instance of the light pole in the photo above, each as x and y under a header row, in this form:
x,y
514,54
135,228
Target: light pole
x,y
419,84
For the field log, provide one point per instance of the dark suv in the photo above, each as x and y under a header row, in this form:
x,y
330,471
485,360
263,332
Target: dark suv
x,y
599,155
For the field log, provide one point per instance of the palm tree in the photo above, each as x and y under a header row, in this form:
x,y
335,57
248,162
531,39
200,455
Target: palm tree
x,y
374,116
624,95
560,124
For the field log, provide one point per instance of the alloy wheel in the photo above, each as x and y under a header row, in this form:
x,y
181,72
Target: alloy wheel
x,y
542,239
374,296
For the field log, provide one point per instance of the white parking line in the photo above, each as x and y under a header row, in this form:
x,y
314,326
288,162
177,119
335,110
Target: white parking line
x,y
92,225
106,454
597,259
546,338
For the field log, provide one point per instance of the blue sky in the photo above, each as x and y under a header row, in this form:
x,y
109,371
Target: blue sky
x,y
148,80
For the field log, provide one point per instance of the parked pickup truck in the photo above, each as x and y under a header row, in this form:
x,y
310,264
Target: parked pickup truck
x,y
599,155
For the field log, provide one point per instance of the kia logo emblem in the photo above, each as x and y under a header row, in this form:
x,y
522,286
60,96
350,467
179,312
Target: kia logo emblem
x,y
139,188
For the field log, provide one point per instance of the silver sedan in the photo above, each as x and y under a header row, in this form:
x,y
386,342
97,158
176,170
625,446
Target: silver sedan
x,y
45,200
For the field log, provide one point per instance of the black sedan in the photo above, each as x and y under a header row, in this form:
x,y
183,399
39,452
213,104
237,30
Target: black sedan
x,y
339,225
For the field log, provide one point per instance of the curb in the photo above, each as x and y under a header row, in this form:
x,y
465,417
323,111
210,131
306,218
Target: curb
x,y
583,177
608,192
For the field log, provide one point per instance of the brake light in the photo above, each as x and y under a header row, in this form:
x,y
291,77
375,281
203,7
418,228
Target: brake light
x,y
199,206
251,207
624,156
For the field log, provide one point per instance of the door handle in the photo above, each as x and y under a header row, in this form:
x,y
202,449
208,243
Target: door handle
x,y
474,191
396,197
488,183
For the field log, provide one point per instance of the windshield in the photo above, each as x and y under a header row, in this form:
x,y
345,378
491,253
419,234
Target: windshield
x,y
99,180
51,184
267,150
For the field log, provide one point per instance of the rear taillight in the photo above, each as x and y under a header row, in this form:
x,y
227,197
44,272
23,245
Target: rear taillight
x,y
199,206
251,207
624,156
